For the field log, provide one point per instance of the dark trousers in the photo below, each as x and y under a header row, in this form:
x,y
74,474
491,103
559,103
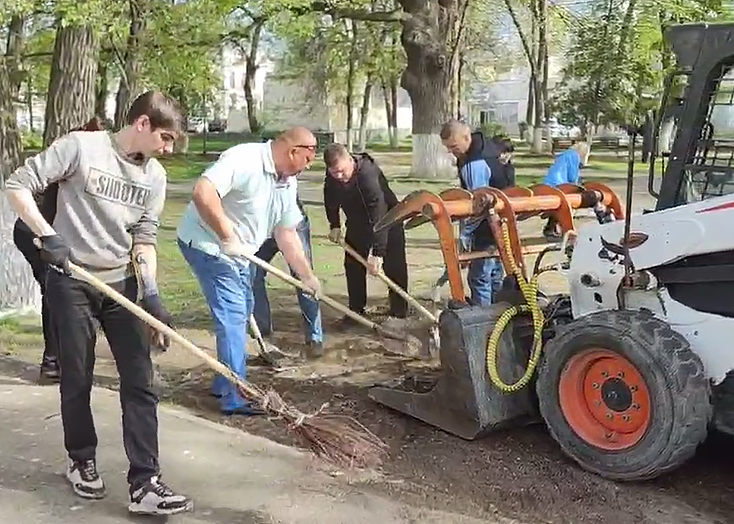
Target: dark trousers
x,y
394,264
75,304
23,238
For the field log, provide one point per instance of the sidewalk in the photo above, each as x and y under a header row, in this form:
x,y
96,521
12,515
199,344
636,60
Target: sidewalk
x,y
233,477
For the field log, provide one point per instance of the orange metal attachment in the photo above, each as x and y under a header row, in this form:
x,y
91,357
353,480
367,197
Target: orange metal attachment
x,y
509,207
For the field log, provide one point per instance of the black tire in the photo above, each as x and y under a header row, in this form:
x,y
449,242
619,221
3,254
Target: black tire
x,y
679,393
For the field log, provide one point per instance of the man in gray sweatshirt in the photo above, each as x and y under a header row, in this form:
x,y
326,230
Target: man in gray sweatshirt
x,y
111,193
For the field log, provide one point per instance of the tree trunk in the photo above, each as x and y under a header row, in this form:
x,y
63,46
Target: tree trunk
x,y
427,78
18,289
101,90
529,111
351,77
388,111
130,79
365,112
29,103
541,78
250,72
459,90
71,90
393,124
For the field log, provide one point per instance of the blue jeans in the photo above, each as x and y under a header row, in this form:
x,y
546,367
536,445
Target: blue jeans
x,y
485,274
485,280
310,309
228,292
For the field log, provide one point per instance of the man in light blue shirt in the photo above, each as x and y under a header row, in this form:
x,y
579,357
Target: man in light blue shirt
x,y
246,196
566,169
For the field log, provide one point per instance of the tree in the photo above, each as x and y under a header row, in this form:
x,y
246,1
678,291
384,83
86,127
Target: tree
x,y
183,50
131,58
72,87
618,59
431,36
18,289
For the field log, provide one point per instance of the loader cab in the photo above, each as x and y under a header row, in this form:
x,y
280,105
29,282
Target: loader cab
x,y
697,113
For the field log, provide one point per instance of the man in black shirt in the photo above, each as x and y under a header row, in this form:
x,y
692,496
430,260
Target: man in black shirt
x,y
355,184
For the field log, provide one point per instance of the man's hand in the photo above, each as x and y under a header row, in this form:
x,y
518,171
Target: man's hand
x,y
153,305
313,284
234,248
55,252
374,264
335,235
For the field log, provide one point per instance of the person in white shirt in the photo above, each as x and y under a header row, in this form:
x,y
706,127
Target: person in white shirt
x,y
246,196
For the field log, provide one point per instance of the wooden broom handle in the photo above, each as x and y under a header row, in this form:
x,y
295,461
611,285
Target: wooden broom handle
x,y
392,285
155,323
331,302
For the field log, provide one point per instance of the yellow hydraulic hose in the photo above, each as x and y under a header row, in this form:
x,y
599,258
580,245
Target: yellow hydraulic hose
x,y
530,294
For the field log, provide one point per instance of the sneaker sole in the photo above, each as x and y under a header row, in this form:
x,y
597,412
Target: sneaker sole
x,y
138,510
87,494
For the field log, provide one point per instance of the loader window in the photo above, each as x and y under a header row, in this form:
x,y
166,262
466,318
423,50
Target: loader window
x,y
710,171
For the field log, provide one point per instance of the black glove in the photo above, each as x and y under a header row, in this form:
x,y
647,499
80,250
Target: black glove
x,y
153,305
55,252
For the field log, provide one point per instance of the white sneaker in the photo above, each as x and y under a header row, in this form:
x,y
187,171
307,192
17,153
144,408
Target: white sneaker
x,y
85,480
156,498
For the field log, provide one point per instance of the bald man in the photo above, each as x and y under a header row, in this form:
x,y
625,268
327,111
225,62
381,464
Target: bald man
x,y
246,196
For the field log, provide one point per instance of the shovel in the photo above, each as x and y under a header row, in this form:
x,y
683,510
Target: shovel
x,y
435,340
270,353
412,346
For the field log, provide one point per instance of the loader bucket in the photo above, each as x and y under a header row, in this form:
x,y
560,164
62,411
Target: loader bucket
x,y
464,402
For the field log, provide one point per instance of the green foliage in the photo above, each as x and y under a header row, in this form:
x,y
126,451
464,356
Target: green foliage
x,y
38,66
98,14
615,72
31,141
182,51
491,129
319,49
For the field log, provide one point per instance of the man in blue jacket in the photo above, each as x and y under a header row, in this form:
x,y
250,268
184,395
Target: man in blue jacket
x,y
565,170
479,165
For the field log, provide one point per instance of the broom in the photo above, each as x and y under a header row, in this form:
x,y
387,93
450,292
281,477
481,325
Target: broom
x,y
338,439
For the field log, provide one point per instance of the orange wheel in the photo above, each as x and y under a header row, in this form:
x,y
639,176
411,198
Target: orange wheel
x,y
604,399
623,394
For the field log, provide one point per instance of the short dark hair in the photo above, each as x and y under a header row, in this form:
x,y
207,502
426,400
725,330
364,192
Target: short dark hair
x,y
95,124
334,152
504,144
162,110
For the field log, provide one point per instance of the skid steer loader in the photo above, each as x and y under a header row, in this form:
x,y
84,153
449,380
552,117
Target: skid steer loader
x,y
632,367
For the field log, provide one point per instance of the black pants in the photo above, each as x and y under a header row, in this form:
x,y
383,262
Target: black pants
x,y
394,266
74,305
23,238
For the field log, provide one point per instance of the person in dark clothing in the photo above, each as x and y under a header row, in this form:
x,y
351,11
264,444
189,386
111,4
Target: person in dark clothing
x,y
480,163
355,184
23,239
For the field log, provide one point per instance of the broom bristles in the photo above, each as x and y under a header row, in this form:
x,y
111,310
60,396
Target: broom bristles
x,y
341,440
